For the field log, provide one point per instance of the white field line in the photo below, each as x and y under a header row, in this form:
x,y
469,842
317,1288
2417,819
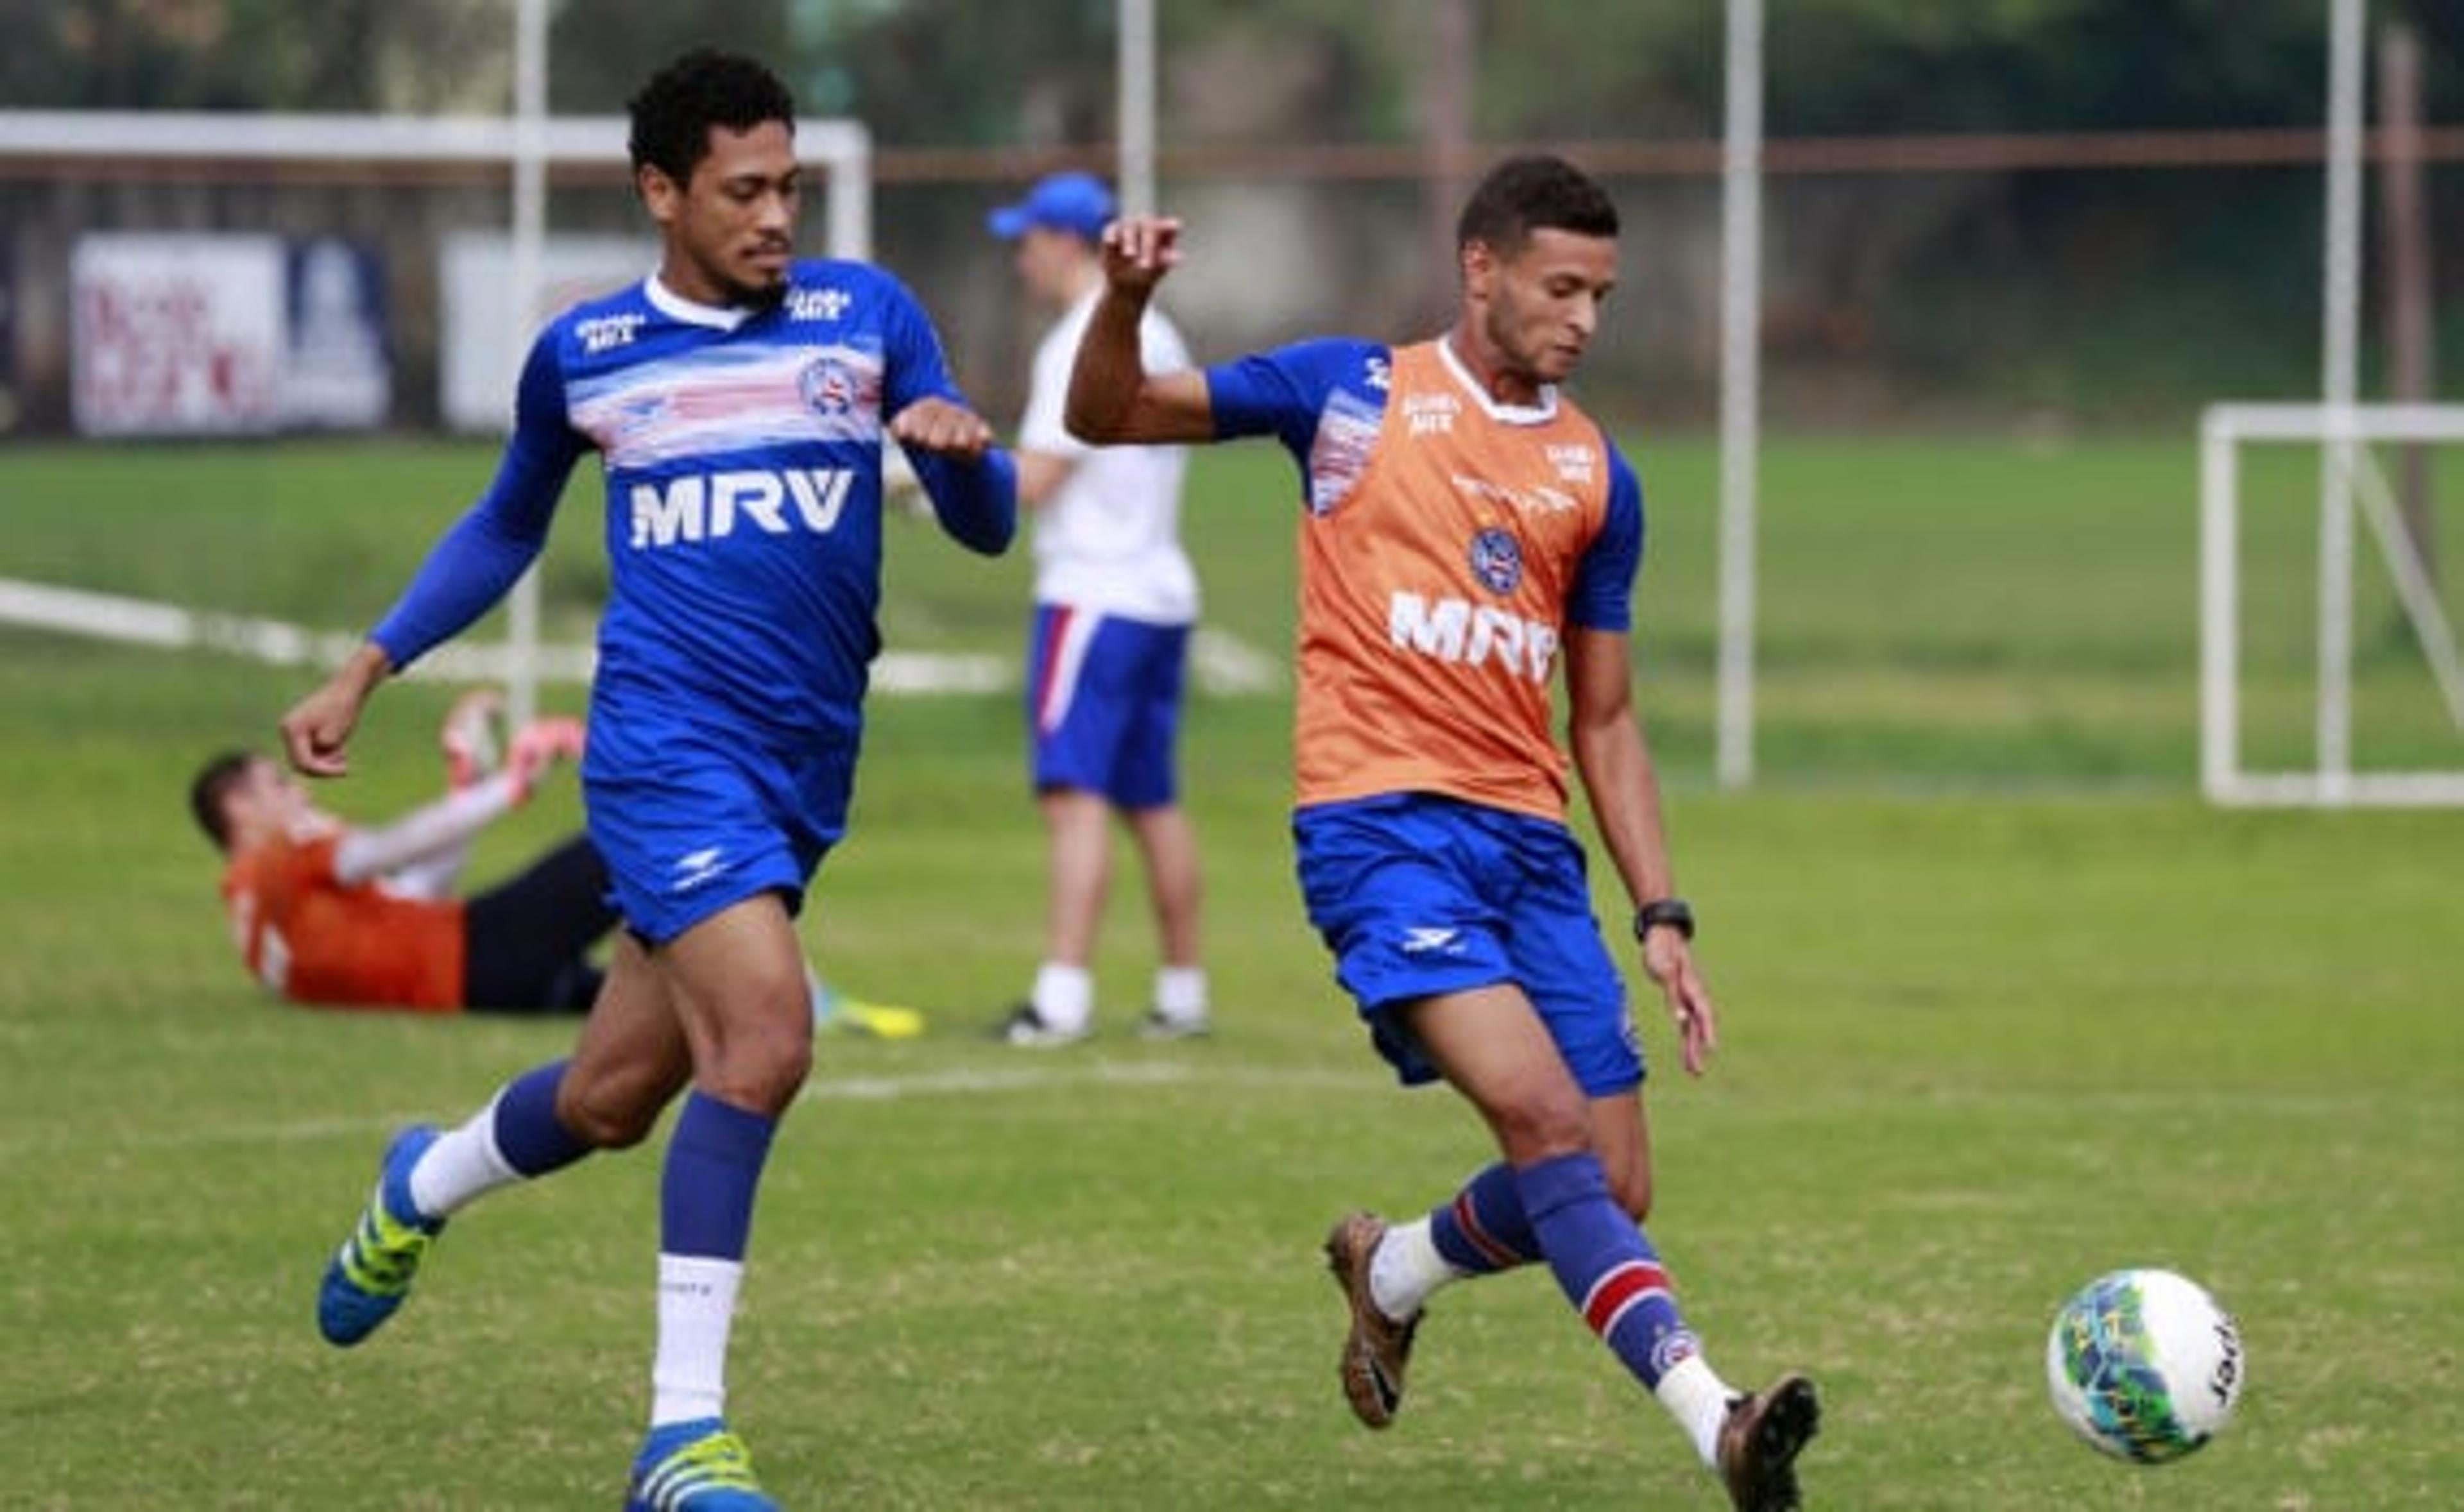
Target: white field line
x,y
1365,1080
888,1088
1222,663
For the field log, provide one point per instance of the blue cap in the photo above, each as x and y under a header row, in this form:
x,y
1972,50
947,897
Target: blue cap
x,y
1073,202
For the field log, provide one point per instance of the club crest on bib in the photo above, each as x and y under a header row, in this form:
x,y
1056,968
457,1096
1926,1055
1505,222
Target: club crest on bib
x,y
1497,561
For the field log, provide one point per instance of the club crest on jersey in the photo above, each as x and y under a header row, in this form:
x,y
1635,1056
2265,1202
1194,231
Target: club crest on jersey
x,y
827,386
1497,561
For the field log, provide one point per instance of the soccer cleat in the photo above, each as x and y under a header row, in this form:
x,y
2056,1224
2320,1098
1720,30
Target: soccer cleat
x,y
879,1020
371,1274
696,1466
1025,1028
868,1021
1377,1349
1760,1441
1160,1026
834,1011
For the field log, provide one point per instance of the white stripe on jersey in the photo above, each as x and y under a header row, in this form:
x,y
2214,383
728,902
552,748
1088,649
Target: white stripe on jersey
x,y
719,401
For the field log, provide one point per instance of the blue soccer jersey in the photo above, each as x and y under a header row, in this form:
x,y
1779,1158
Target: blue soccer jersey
x,y
742,454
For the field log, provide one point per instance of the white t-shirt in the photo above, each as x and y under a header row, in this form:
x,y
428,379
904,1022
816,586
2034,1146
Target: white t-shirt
x,y
1108,539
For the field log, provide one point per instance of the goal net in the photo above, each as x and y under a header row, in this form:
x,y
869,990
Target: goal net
x,y
2344,689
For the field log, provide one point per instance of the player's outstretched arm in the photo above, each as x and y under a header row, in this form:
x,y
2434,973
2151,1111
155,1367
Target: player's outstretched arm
x,y
1616,766
438,831
437,836
1114,399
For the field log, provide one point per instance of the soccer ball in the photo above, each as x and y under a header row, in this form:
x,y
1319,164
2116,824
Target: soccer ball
x,y
2145,1366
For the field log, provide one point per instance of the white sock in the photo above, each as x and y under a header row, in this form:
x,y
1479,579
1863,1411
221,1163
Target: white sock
x,y
1064,996
1696,1397
696,1308
1180,993
1406,1269
463,1166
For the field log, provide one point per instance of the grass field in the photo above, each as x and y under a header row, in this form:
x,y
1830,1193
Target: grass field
x,y
2004,1007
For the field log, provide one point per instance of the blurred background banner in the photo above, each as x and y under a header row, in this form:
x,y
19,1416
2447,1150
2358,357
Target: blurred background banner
x,y
225,334
337,363
178,334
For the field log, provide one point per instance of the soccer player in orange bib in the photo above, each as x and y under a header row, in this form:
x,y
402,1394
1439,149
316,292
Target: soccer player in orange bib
x,y
340,915
1465,528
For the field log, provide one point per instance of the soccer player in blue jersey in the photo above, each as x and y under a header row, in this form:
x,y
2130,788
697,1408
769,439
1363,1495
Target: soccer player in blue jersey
x,y
1465,528
738,399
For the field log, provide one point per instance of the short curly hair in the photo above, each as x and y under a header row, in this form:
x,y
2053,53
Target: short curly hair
x,y
674,114
1540,192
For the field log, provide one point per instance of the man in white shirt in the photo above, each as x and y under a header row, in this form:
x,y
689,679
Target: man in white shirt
x,y
1115,598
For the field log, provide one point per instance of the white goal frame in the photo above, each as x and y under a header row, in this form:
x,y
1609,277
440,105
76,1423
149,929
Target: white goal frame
x,y
2343,433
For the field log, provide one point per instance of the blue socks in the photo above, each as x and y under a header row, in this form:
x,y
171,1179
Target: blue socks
x,y
1483,1230
526,1129
1606,1267
714,1164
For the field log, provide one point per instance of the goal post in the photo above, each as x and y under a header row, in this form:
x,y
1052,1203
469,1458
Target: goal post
x,y
2344,435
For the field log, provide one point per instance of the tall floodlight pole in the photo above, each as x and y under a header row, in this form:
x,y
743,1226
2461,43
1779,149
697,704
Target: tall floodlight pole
x,y
1137,69
2341,297
529,246
1740,386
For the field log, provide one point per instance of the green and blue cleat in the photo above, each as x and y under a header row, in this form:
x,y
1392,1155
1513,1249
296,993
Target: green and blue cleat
x,y
370,1275
695,1466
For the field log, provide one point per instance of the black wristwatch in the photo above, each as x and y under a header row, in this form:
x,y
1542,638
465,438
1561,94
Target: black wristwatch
x,y
1671,911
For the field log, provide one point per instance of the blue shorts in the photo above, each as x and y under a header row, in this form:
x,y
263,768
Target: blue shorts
x,y
692,821
1103,700
1417,895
